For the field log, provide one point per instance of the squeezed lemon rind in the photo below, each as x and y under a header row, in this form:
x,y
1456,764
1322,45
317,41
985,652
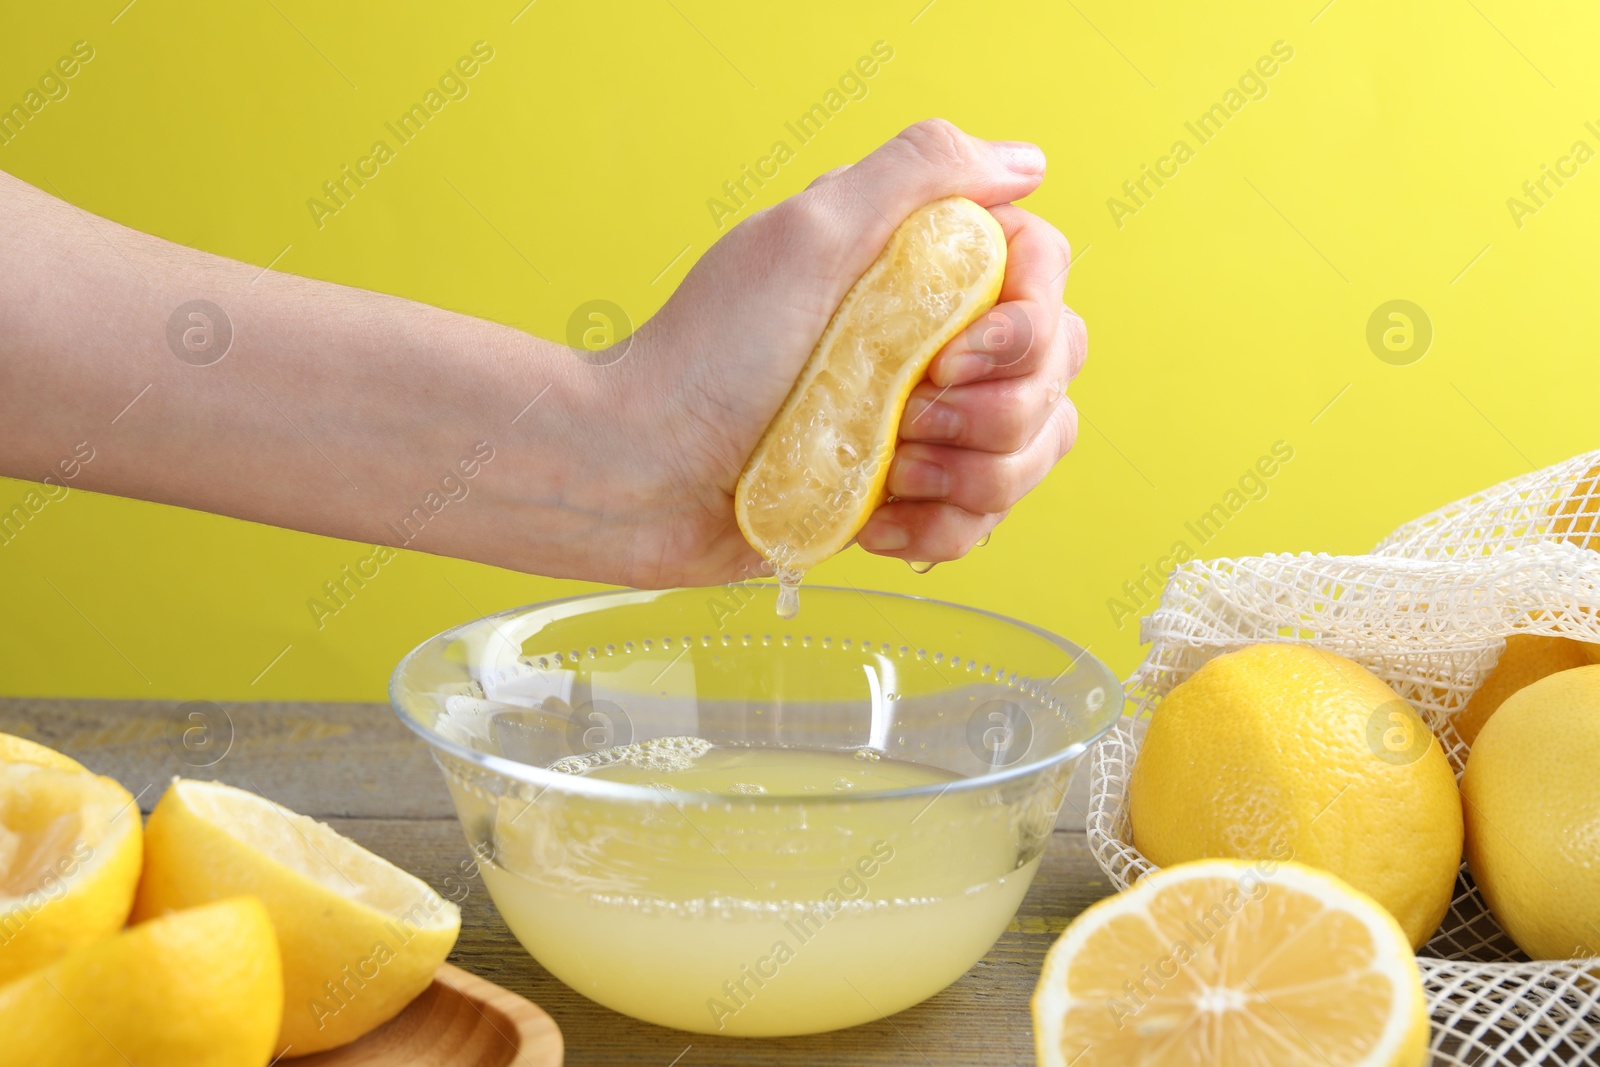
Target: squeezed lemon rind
x,y
790,565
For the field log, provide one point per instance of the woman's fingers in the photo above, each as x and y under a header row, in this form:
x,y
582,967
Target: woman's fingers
x,y
924,531
843,220
941,519
1002,414
1038,256
1007,341
982,481
1012,338
992,420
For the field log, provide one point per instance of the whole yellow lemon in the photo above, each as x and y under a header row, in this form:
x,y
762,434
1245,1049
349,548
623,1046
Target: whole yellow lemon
x,y
1526,659
1533,814
1288,752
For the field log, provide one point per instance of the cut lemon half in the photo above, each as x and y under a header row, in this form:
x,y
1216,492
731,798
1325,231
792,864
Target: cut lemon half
x,y
69,862
820,469
14,749
360,938
196,989
1223,961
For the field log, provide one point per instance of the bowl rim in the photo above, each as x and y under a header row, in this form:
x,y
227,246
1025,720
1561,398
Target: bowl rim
x,y
546,778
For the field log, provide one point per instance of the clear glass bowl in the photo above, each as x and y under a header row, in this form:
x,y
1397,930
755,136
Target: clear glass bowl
x,y
793,911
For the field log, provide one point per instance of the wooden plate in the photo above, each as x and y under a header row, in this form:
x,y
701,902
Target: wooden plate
x,y
459,1021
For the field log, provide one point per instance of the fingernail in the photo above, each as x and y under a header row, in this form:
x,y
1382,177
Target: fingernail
x,y
1020,157
963,368
930,420
884,537
918,478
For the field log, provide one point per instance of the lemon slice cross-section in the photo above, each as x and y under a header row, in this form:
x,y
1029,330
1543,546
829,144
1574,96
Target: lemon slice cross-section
x,y
1224,961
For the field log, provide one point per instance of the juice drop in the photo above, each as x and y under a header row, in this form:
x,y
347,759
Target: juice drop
x,y
788,599
788,582
918,566
983,540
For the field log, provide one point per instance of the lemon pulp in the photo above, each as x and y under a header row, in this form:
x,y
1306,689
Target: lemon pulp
x,y
70,847
821,467
359,937
1223,961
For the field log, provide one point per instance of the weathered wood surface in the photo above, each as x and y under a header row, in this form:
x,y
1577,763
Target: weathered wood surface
x,y
355,767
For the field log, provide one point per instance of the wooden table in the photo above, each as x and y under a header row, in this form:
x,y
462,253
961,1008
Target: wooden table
x,y
356,768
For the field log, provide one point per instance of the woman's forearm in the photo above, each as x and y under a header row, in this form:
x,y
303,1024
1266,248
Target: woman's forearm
x,y
284,400
210,384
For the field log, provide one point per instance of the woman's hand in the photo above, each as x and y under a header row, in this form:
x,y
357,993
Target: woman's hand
x,y
350,413
703,378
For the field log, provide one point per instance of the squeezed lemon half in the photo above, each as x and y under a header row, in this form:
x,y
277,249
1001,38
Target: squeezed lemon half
x,y
198,988
14,749
820,469
69,859
1222,961
360,938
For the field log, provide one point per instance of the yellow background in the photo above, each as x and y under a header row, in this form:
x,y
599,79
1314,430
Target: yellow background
x,y
1226,315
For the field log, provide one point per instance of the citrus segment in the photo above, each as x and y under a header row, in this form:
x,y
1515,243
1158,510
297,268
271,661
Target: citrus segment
x,y
820,469
14,749
360,938
69,862
1222,961
199,988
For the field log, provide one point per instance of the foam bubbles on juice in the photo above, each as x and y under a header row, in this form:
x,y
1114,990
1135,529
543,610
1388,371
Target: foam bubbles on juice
x,y
666,754
692,764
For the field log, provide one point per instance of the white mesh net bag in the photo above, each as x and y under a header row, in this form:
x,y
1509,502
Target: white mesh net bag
x,y
1427,611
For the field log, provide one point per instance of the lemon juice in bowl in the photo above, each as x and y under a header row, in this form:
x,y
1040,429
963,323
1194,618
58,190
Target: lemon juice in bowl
x,y
758,940
755,833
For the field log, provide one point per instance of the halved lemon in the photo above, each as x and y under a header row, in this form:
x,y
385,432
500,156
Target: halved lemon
x,y
199,988
360,937
14,749
820,469
1224,961
69,862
